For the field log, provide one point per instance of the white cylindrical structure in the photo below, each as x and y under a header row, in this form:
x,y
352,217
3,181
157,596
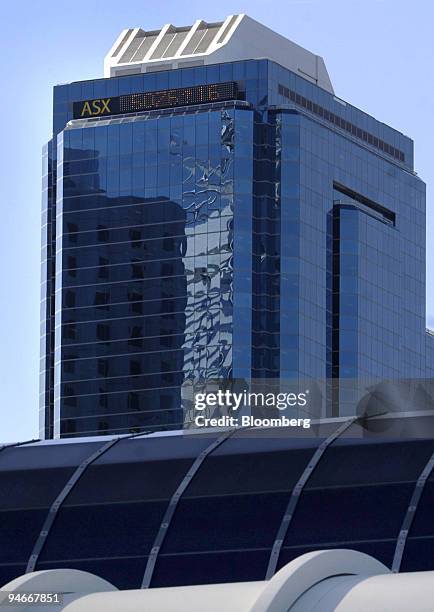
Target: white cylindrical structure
x,y
321,581
232,597
389,592
74,583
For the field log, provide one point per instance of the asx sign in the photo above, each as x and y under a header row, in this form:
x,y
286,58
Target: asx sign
x,y
152,100
94,108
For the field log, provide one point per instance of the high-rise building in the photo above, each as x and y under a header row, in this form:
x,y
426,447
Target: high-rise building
x,y
212,210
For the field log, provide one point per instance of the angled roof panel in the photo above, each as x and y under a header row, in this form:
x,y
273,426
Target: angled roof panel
x,y
164,43
133,46
144,47
176,42
207,39
194,40
122,42
226,29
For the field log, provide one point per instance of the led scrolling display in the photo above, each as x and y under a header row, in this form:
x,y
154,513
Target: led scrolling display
x,y
146,101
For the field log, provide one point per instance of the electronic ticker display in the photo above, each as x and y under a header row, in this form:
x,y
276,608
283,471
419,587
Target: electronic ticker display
x,y
153,100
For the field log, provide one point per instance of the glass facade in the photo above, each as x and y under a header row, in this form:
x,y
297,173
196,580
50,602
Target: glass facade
x,y
278,235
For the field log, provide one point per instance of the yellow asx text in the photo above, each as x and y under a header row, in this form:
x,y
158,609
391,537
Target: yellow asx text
x,y
96,107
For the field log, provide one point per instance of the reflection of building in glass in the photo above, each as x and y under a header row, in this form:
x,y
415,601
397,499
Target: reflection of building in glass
x,y
279,234
144,267
123,292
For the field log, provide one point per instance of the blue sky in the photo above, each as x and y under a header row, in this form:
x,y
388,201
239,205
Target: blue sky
x,y
379,55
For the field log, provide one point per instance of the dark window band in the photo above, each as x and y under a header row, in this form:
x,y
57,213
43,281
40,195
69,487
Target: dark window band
x,y
380,211
341,123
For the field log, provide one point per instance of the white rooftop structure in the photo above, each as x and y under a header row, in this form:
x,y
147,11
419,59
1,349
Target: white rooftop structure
x,y
236,38
319,581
